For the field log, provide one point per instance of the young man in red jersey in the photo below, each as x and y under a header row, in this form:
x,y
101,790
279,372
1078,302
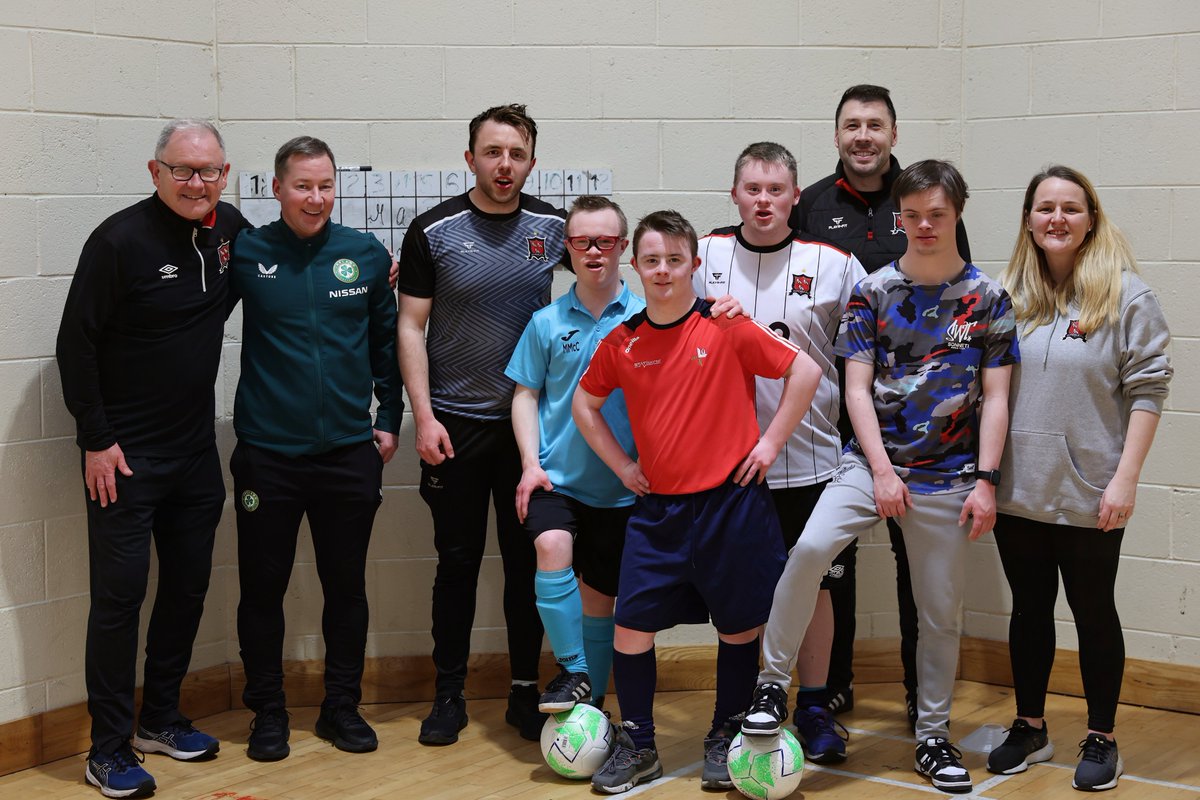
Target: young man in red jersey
x,y
703,540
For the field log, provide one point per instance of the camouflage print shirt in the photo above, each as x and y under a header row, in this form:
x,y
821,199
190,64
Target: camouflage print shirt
x,y
928,344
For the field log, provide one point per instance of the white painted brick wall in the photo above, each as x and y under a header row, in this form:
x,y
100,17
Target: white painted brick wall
x,y
665,94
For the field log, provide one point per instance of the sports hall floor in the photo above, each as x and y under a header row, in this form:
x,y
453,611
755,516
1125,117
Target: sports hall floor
x,y
1161,750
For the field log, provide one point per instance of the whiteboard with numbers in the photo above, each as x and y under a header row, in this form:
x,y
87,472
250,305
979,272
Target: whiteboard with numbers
x,y
384,202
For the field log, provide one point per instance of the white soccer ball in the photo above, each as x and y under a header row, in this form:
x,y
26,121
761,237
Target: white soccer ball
x,y
766,767
576,743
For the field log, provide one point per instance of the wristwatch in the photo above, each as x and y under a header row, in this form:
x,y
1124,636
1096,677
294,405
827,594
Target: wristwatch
x,y
992,476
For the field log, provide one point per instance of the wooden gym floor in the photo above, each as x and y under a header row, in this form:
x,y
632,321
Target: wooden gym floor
x,y
1161,750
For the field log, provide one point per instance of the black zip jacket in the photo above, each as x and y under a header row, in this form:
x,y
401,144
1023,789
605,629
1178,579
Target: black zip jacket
x,y
833,210
140,338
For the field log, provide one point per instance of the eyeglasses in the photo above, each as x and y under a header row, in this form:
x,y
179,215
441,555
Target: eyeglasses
x,y
182,173
584,243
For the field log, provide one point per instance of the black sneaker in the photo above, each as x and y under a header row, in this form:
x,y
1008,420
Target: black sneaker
x,y
523,712
840,701
118,774
626,766
1099,764
1023,746
447,717
346,728
562,693
716,756
269,735
938,760
767,711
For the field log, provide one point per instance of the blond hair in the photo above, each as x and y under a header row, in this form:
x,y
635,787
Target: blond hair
x,y
1095,281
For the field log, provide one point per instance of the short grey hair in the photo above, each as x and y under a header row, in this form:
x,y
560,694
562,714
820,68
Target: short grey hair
x,y
186,124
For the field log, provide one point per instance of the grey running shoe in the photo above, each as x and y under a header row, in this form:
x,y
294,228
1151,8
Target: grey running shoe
x,y
627,766
1099,764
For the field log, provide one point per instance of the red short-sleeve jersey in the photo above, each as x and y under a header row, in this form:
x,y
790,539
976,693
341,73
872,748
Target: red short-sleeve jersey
x,y
689,388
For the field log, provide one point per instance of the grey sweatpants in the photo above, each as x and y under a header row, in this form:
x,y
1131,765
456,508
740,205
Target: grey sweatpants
x,y
937,547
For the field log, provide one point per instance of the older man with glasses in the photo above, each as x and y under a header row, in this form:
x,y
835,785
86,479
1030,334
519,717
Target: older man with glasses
x,y
138,349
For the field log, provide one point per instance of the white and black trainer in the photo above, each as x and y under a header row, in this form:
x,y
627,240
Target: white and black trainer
x,y
767,711
938,760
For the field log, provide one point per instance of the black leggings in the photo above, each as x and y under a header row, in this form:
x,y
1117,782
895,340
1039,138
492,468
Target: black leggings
x,y
1033,554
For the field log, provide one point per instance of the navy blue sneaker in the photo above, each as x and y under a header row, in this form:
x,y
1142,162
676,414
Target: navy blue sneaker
x,y
819,735
119,774
180,740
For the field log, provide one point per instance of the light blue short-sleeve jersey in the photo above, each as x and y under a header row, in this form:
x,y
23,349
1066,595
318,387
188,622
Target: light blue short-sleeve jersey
x,y
551,355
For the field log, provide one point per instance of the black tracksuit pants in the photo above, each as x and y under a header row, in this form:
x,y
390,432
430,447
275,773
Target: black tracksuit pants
x,y
486,466
340,492
176,502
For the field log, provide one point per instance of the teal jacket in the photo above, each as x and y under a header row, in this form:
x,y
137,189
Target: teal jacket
x,y
318,334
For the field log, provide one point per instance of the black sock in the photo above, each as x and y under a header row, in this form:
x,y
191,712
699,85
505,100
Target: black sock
x,y
737,675
635,677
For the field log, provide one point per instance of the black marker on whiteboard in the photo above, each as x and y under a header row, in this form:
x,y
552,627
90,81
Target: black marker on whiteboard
x,y
355,168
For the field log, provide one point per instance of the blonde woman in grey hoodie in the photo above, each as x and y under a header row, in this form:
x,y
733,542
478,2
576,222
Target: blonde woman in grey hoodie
x,y
1085,403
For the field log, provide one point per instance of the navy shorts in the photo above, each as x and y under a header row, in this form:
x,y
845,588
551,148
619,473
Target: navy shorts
x,y
689,557
795,506
599,535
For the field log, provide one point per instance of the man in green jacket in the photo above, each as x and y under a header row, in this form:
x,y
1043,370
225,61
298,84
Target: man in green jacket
x,y
318,335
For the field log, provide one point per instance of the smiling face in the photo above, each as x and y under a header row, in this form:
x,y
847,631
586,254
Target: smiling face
x,y
501,161
665,264
929,221
764,194
306,193
1059,219
596,269
865,136
196,148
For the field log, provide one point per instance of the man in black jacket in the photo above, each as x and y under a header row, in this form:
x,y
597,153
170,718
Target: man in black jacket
x,y
853,208
138,350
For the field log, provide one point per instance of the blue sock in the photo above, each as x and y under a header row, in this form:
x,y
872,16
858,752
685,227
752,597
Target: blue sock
x,y
598,645
561,610
809,696
737,675
636,677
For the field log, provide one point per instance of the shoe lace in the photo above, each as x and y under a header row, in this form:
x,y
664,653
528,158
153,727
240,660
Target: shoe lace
x,y
1095,748
946,754
623,757
769,698
123,758
826,724
270,721
716,750
559,681
347,713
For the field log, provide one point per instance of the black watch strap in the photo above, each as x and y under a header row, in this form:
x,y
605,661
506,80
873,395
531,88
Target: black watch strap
x,y
992,476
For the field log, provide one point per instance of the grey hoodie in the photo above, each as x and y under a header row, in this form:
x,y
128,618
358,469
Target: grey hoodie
x,y
1069,407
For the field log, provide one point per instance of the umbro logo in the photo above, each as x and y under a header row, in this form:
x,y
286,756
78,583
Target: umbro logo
x,y
168,271
267,272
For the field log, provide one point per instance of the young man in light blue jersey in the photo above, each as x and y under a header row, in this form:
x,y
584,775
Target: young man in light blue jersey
x,y
571,503
573,506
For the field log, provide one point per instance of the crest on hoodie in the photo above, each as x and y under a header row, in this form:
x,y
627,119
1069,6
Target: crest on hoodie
x,y
1074,331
